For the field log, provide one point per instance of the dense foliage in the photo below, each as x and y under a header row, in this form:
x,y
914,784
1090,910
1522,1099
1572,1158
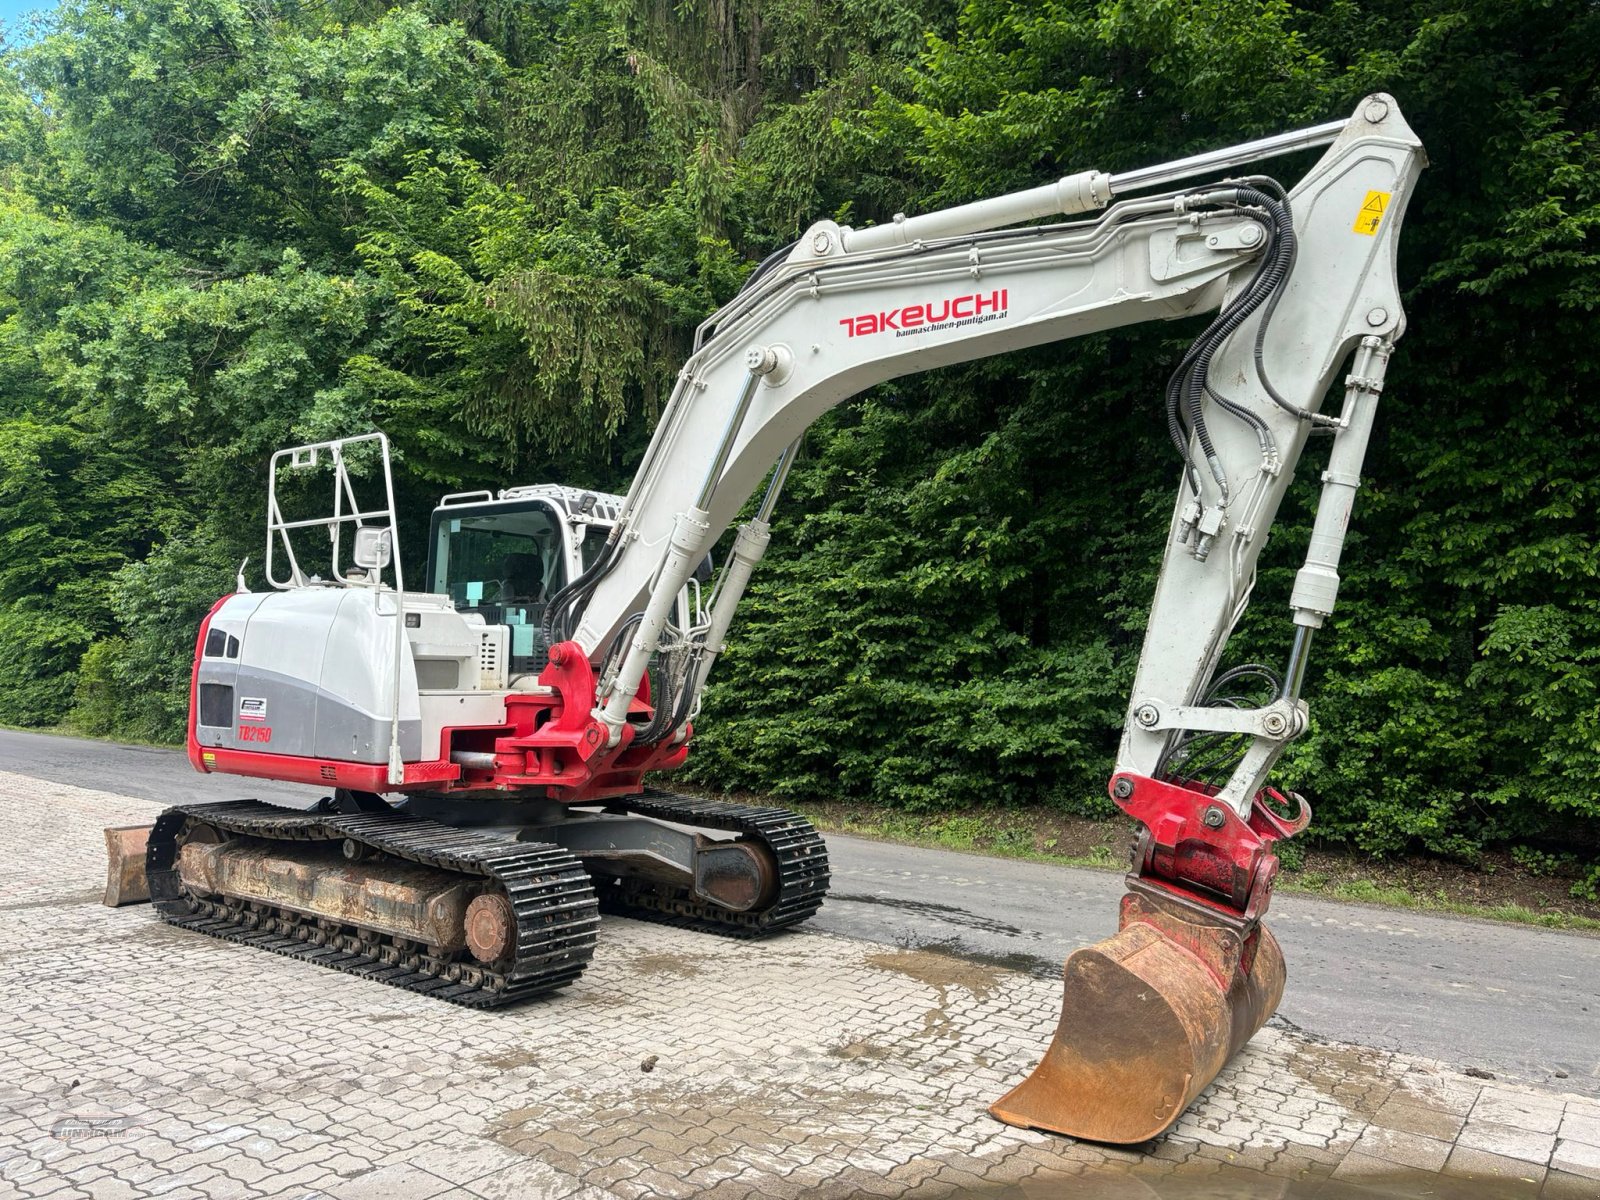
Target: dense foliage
x,y
489,228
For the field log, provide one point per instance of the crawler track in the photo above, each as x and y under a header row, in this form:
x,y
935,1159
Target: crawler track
x,y
798,849
550,893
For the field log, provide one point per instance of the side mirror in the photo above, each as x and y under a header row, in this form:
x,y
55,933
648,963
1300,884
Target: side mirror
x,y
374,548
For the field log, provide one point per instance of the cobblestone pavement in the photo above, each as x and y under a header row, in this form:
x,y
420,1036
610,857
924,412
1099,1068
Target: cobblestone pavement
x,y
143,1060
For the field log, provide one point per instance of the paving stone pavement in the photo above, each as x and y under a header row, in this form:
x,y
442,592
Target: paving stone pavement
x,y
140,1060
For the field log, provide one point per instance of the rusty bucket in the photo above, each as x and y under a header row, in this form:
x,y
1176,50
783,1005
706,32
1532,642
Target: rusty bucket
x,y
1148,1018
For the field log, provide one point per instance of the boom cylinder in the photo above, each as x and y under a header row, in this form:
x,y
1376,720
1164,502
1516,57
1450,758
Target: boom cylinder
x,y
749,547
690,533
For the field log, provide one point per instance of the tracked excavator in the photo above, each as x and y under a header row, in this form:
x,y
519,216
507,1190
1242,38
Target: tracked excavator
x,y
486,735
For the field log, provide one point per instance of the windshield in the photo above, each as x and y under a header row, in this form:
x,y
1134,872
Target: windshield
x,y
505,565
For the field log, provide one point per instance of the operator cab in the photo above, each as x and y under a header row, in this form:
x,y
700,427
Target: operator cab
x,y
504,557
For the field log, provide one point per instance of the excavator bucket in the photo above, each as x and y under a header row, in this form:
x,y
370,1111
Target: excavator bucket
x,y
125,849
1148,1018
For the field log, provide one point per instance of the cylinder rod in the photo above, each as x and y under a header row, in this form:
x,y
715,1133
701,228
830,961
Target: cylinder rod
x,y
1294,676
1228,156
729,435
779,474
1083,192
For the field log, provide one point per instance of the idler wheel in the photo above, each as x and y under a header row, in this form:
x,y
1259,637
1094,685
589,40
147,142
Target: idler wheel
x,y
491,927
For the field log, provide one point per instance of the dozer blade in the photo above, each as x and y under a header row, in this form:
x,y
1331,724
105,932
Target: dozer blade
x,y
1148,1018
125,851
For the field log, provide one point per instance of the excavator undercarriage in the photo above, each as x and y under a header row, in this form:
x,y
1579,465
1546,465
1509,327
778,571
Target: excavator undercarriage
x,y
478,915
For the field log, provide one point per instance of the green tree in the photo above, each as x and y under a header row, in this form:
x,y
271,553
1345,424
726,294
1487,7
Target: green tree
x,y
492,228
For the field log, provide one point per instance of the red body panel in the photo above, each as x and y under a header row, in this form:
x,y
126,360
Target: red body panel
x,y
194,687
294,768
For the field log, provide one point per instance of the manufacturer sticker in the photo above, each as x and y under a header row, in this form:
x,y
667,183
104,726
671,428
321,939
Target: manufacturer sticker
x,y
252,708
976,308
1371,214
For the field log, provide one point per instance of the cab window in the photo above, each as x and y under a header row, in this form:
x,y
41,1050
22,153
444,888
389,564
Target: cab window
x,y
594,541
505,565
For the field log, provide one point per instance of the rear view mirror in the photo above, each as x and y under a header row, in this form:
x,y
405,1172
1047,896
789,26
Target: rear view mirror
x,y
373,549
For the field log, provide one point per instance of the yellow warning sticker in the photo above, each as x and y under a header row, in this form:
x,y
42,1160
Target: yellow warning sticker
x,y
1371,214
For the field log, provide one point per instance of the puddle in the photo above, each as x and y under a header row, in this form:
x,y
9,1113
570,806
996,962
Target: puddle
x,y
860,1048
1350,1074
947,913
941,971
1015,960
684,966
753,1127
510,1060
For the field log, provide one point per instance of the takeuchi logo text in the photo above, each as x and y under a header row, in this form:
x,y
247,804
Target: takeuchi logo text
x,y
923,318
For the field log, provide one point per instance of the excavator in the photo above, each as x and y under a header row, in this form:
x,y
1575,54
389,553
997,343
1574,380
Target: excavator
x,y
486,736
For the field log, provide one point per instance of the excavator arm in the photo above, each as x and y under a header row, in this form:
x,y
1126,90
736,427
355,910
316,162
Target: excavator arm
x,y
1303,285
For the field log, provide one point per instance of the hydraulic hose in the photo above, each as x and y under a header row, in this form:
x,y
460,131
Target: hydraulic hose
x,y
1190,384
1186,388
561,614
1286,236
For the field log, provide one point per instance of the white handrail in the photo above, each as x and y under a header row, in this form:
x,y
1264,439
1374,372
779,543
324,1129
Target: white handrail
x,y
278,529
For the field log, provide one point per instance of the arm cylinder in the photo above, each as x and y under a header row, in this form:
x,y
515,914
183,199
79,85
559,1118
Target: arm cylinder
x,y
1229,156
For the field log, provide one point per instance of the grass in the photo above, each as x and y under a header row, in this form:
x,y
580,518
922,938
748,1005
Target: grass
x,y
1364,891
969,834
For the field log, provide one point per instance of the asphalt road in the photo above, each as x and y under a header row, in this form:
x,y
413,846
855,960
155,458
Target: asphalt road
x,y
1522,1003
